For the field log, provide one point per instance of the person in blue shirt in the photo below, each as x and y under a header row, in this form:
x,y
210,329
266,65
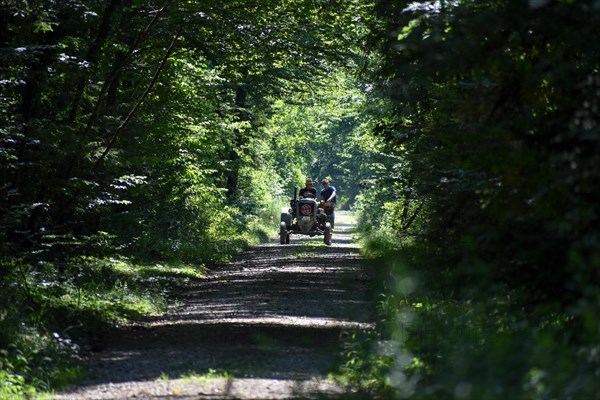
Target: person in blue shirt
x,y
328,201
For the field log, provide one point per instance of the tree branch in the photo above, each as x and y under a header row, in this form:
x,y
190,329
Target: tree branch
x,y
118,67
137,105
413,217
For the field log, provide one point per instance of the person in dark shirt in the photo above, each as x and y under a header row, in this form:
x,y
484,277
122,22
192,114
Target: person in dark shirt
x,y
308,189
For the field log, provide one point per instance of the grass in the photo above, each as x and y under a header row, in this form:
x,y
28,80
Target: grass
x,y
56,308
210,375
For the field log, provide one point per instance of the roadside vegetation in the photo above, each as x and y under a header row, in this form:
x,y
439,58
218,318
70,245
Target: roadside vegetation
x,y
141,142
483,219
58,308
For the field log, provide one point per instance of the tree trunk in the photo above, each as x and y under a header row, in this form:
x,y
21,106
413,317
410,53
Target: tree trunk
x,y
92,54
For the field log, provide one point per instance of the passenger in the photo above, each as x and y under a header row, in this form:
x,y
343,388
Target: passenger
x,y
328,201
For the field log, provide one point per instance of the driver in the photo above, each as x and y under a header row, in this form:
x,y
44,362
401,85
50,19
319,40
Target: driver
x,y
308,189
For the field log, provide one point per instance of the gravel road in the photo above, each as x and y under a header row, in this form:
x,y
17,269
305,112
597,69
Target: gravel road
x,y
266,326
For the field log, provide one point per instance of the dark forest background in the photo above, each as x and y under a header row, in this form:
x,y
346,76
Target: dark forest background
x,y
142,141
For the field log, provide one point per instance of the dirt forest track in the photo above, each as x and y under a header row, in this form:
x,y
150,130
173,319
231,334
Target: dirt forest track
x,y
268,325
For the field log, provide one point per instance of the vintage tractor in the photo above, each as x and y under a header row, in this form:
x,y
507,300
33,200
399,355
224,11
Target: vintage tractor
x,y
304,217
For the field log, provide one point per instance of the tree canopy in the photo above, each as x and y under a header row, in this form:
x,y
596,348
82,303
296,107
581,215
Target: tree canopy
x,y
114,110
138,135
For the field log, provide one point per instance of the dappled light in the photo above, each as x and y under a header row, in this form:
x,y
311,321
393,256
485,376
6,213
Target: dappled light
x,y
150,152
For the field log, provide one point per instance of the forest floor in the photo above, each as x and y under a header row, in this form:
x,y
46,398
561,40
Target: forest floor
x,y
268,325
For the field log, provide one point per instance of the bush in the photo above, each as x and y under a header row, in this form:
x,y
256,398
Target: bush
x,y
441,336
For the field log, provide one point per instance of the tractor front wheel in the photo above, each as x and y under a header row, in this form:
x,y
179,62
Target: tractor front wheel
x,y
283,235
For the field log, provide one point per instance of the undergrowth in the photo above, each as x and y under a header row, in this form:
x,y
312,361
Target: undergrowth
x,y
52,311
442,336
55,309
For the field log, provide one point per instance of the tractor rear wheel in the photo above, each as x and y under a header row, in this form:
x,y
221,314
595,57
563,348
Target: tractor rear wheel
x,y
327,235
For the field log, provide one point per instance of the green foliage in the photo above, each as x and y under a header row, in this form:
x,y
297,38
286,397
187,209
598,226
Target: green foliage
x,y
488,190
487,138
321,134
36,360
145,131
367,366
48,308
438,337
